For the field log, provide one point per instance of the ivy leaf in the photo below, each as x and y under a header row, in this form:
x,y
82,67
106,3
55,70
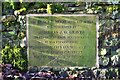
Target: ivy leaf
x,y
21,1
103,51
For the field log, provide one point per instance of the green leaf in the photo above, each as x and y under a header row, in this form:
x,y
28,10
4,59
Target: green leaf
x,y
21,1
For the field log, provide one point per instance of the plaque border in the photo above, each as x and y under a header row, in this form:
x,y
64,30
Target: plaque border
x,y
97,34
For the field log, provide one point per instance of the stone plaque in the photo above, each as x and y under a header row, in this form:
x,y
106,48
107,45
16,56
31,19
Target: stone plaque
x,y
61,40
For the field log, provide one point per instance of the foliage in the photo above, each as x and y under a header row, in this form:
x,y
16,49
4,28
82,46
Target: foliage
x,y
108,13
49,9
15,56
58,8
